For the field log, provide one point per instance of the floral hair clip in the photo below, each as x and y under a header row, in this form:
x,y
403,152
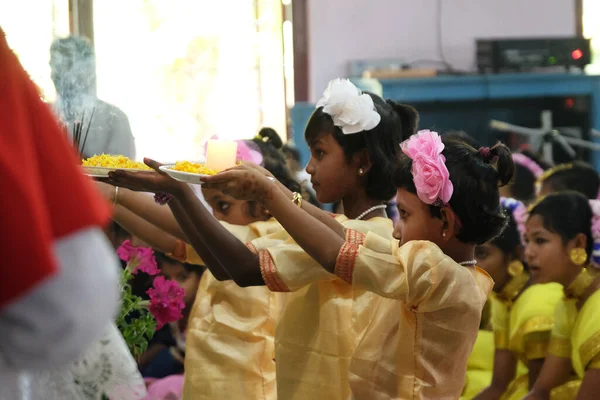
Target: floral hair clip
x,y
247,153
519,213
430,174
595,206
528,163
350,109
486,153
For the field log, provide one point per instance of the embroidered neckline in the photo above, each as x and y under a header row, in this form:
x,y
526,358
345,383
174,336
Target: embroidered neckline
x,y
580,285
512,289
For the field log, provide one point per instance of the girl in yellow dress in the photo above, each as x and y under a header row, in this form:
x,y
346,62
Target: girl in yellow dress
x,y
354,144
562,235
230,334
432,293
522,313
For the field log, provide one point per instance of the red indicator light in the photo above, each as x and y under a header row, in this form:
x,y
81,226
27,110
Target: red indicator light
x,y
569,102
576,54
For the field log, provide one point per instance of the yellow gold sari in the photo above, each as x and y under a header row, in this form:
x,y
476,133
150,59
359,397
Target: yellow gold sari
x,y
576,336
230,347
324,317
480,365
524,328
419,342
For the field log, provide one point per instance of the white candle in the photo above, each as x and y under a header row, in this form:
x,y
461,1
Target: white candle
x,y
221,155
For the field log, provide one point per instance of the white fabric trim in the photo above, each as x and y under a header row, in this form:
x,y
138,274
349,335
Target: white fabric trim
x,y
64,315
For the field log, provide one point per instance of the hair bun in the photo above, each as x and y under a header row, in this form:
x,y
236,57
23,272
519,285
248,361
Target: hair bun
x,y
269,135
486,154
505,165
409,117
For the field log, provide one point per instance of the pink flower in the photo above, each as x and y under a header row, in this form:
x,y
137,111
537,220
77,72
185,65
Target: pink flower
x,y
138,258
430,175
424,142
248,154
528,163
166,301
246,151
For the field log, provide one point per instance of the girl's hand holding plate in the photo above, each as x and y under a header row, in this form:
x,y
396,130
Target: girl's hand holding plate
x,y
146,181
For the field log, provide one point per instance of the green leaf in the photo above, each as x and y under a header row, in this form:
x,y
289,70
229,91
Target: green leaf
x,y
137,331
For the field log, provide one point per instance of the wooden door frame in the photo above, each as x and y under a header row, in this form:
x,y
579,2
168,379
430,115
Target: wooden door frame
x,y
579,18
81,18
301,49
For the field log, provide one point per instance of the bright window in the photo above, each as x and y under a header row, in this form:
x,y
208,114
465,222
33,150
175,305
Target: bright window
x,y
30,26
187,70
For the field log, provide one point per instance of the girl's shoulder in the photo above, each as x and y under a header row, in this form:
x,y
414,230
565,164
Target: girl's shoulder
x,y
532,315
536,295
379,226
535,304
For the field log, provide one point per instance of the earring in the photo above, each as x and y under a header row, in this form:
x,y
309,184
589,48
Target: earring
x,y
444,235
578,256
360,171
515,268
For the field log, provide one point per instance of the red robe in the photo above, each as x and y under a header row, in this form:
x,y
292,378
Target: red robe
x,y
45,195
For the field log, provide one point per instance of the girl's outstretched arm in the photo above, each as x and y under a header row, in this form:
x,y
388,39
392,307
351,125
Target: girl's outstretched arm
x,y
143,206
223,253
136,225
320,241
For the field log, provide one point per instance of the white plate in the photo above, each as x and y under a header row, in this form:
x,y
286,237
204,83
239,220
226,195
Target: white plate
x,y
102,172
181,176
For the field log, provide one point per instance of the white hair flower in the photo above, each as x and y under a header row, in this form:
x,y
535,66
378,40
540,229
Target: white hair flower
x,y
350,109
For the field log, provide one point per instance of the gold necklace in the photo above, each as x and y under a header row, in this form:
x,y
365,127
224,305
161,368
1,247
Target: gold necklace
x,y
583,281
512,289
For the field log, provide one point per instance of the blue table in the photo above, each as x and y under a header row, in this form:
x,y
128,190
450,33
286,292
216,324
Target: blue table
x,y
473,88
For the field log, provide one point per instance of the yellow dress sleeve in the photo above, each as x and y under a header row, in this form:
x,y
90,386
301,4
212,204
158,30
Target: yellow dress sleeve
x,y
500,323
415,273
586,336
286,267
532,320
184,252
560,340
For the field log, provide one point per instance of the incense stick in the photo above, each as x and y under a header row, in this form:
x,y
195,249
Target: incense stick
x,y
87,131
76,134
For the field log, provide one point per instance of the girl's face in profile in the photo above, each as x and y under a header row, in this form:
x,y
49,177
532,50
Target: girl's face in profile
x,y
416,221
546,253
228,209
332,175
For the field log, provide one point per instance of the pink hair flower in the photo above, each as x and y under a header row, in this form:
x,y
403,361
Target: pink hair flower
x,y
247,153
430,174
138,258
528,163
166,301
